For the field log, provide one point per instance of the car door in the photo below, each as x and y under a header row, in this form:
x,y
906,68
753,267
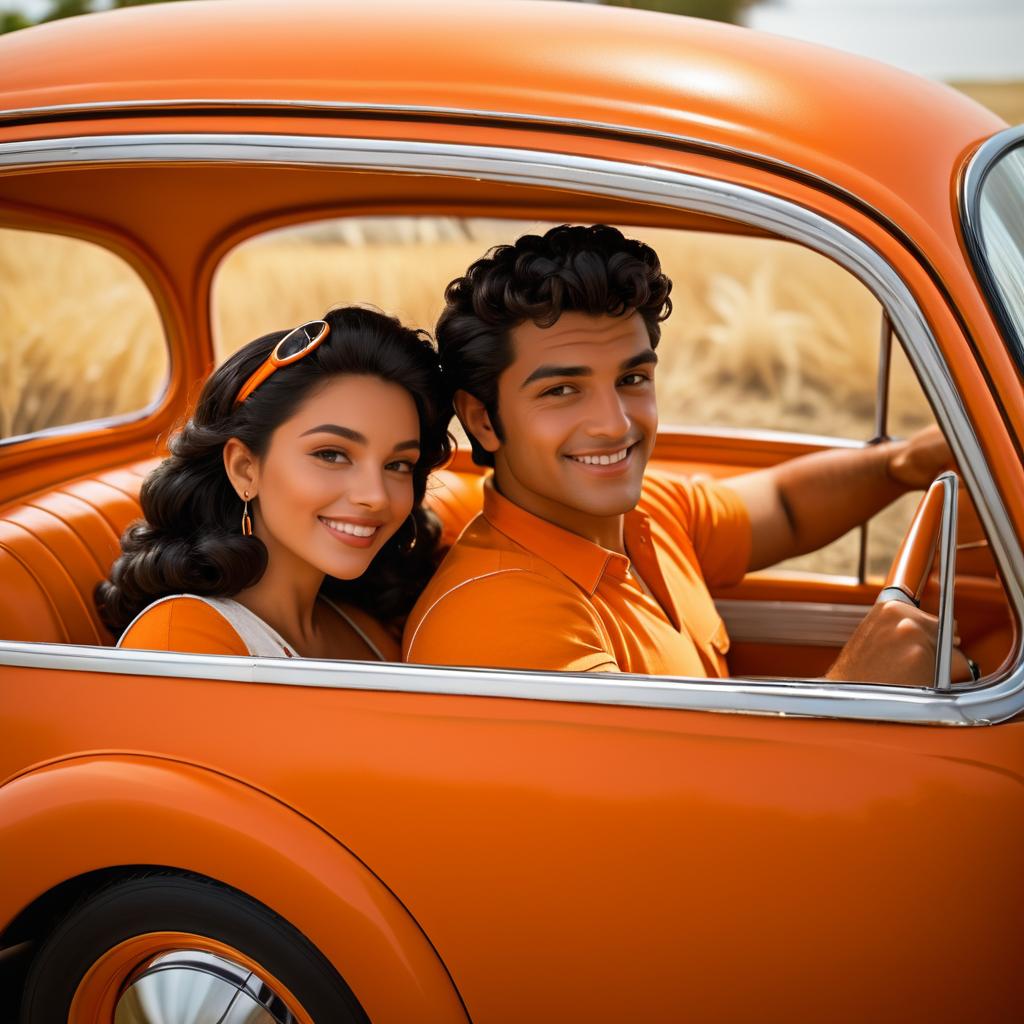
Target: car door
x,y
586,847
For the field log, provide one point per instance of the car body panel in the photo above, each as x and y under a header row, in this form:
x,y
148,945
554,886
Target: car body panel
x,y
725,86
736,844
127,808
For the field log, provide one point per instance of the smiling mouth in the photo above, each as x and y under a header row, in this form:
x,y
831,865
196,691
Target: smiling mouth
x,y
609,459
350,529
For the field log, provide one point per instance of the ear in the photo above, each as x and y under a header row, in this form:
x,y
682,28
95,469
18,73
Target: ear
x,y
474,418
242,468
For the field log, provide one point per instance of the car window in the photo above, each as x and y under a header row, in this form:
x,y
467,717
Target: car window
x,y
765,334
80,335
998,238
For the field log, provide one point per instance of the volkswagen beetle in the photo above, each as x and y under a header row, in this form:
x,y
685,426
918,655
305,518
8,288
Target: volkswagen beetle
x,y
190,838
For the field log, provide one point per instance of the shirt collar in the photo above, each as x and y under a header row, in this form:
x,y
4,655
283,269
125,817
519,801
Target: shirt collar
x,y
583,561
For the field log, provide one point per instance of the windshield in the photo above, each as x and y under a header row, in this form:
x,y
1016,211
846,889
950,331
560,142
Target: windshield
x,y
998,239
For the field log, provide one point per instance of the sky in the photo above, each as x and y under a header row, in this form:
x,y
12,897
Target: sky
x,y
952,40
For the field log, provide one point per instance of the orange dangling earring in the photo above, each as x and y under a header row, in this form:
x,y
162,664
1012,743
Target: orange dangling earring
x,y
415,534
246,518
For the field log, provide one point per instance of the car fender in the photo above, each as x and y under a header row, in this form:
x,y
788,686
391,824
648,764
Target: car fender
x,y
62,819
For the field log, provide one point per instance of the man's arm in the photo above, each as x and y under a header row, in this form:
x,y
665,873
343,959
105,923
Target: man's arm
x,y
801,505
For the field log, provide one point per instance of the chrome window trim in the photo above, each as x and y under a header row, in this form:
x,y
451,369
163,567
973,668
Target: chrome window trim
x,y
87,426
782,698
996,702
971,183
406,110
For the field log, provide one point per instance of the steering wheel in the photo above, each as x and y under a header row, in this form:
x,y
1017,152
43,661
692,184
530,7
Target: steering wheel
x,y
932,532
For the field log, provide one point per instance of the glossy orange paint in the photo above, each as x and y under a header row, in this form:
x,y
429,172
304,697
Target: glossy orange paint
x,y
132,805
616,862
496,859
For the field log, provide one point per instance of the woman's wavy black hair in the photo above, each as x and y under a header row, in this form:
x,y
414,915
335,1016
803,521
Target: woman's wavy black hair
x,y
570,268
190,541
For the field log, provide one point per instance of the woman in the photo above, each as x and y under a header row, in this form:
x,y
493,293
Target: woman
x,y
287,520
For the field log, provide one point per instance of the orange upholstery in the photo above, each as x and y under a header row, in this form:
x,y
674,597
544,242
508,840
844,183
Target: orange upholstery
x,y
56,546
456,498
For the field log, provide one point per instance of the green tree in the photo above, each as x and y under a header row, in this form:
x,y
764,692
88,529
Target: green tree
x,y
716,10
67,9
9,22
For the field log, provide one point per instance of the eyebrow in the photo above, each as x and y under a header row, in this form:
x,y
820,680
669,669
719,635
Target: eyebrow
x,y
353,435
646,358
550,370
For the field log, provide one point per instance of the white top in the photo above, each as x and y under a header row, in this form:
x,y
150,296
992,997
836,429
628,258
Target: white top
x,y
261,639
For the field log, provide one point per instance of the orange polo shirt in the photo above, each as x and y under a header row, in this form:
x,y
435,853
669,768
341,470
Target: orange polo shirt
x,y
519,592
188,625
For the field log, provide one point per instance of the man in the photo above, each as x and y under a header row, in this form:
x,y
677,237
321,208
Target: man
x,y
583,561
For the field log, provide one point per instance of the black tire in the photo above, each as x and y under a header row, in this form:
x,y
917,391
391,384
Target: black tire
x,y
186,903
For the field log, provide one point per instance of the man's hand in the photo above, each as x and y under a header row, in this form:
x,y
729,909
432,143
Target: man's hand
x,y
916,462
895,643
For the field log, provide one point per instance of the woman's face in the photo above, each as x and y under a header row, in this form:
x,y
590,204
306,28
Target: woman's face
x,y
336,480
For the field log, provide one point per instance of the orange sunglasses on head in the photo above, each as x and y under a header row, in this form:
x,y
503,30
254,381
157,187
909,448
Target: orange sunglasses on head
x,y
290,349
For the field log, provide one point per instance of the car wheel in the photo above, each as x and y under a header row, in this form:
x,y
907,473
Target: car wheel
x,y
181,950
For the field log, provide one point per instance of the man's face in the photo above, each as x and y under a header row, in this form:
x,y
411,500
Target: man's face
x,y
579,418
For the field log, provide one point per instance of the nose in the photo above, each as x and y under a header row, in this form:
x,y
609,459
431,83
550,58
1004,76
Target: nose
x,y
607,415
368,490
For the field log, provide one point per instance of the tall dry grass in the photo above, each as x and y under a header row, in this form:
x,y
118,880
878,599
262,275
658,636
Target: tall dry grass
x,y
763,331
80,336
763,334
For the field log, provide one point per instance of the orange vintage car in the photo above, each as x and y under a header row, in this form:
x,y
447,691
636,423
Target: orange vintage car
x,y
188,838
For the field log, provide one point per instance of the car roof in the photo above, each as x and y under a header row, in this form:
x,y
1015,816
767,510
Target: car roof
x,y
838,116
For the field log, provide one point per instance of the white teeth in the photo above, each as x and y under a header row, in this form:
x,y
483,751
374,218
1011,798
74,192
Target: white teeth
x,y
601,460
352,528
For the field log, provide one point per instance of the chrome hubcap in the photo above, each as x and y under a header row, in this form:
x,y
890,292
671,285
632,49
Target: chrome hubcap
x,y
192,987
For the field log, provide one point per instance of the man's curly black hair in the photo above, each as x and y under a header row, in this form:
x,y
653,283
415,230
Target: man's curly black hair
x,y
570,268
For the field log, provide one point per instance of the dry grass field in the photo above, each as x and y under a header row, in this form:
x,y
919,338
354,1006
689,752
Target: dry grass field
x,y
764,333
80,336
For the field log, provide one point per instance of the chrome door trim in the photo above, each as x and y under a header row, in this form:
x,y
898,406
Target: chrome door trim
x,y
947,570
996,702
782,698
798,623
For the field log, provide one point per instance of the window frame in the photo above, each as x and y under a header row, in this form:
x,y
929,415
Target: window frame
x,y
971,186
1000,699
